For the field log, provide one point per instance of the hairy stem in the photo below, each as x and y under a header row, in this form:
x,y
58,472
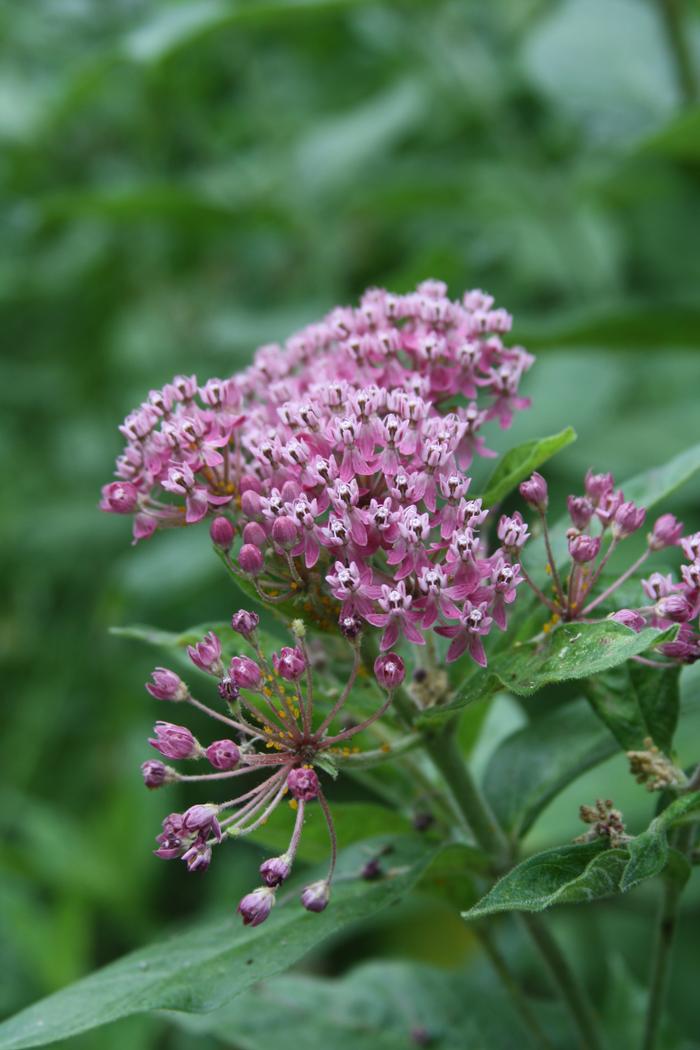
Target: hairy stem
x,y
510,984
672,17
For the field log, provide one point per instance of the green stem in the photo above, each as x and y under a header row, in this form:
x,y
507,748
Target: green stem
x,y
672,17
447,758
568,984
663,947
511,985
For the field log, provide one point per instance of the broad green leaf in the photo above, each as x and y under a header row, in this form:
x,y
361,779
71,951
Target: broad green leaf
x,y
574,650
649,851
679,138
208,966
587,871
536,762
637,702
564,875
520,462
377,1005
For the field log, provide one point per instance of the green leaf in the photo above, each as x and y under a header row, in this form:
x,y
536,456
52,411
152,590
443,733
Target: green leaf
x,y
588,871
376,1005
519,463
564,875
536,762
637,702
574,650
208,966
649,851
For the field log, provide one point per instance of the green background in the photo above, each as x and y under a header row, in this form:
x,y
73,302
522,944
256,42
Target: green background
x,y
181,182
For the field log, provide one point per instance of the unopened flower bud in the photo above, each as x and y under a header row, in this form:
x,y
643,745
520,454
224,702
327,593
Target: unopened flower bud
x,y
251,504
629,618
167,685
221,533
254,533
598,485
285,532
534,491
250,559
580,510
275,870
303,784
223,754
289,663
674,607
245,622
298,628
156,773
207,654
316,895
174,741
202,820
245,673
627,519
389,670
584,548
256,906
666,532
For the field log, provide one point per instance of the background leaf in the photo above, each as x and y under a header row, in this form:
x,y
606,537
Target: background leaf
x,y
637,702
519,463
208,966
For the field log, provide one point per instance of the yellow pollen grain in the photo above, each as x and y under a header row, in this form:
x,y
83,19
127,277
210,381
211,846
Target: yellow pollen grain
x,y
293,804
386,748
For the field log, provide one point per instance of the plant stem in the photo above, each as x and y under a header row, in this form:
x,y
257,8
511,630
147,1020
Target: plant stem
x,y
663,946
509,982
446,757
672,17
566,981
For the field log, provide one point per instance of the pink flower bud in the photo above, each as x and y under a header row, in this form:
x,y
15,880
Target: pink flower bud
x,y
350,626
256,906
629,618
275,870
534,491
674,607
315,896
250,559
174,741
202,820
245,622
223,754
156,773
584,548
289,663
207,654
167,685
254,533
303,784
120,497
691,546
221,533
666,532
245,673
627,519
285,532
598,485
389,670
251,504
580,510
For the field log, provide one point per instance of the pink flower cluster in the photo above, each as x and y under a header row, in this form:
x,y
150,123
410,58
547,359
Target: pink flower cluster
x,y
601,519
278,738
341,459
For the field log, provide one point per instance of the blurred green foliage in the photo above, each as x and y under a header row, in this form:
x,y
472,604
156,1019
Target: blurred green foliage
x,y
181,181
